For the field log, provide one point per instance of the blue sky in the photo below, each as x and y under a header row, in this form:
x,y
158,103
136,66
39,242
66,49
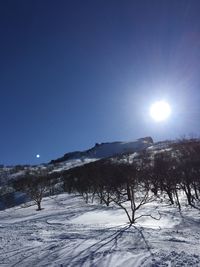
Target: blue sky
x,y
73,73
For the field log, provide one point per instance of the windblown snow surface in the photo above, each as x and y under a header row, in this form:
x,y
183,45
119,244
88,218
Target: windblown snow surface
x,y
69,232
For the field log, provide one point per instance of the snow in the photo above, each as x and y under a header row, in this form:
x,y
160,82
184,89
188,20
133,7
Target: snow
x,y
66,165
74,159
69,232
110,149
105,150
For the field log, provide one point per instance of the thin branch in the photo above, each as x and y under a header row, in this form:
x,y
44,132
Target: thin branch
x,y
149,215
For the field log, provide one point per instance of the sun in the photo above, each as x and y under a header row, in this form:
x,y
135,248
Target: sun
x,y
160,111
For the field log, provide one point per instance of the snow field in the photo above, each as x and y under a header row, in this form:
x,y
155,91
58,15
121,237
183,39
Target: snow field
x,y
69,232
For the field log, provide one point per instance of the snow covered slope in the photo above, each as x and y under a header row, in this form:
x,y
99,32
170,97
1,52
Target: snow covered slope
x,y
105,150
68,161
70,233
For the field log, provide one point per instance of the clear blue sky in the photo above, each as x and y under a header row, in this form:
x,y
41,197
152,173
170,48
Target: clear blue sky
x,y
73,73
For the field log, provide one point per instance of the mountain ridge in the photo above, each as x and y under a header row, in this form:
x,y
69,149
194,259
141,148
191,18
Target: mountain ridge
x,y
108,149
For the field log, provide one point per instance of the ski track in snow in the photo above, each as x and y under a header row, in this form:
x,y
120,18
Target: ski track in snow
x,y
68,232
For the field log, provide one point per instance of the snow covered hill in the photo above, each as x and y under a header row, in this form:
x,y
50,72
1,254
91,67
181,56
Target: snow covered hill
x,y
105,150
115,151
8,196
70,233
77,158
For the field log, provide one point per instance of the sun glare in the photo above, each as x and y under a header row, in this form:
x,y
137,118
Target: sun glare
x,y
160,111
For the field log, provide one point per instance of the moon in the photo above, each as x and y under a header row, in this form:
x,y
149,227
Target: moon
x,y
38,156
160,111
